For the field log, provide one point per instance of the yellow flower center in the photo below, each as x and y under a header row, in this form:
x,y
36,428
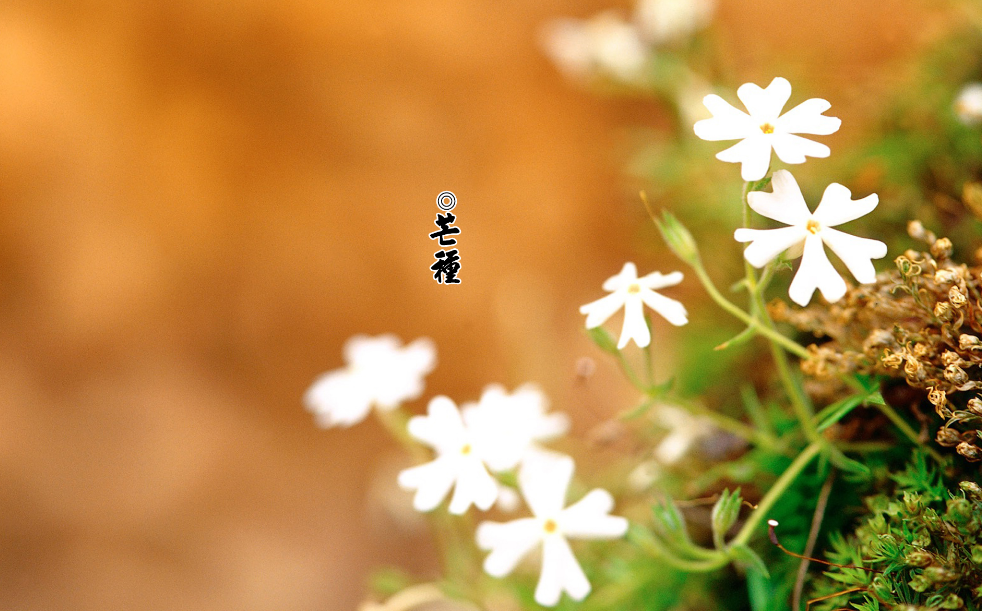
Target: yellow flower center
x,y
550,526
767,128
812,226
466,449
634,289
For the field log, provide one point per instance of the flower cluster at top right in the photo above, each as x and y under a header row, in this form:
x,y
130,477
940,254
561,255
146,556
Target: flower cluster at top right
x,y
761,130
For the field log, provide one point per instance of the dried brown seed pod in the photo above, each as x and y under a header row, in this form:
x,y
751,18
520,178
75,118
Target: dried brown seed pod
x,y
948,438
942,248
971,452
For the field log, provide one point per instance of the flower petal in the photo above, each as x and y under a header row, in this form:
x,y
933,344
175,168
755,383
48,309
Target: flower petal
x,y
670,309
656,280
784,204
727,123
816,271
754,153
474,486
793,149
338,398
837,206
765,105
807,118
431,481
635,326
508,542
363,349
627,275
855,252
768,243
588,519
560,572
597,312
544,482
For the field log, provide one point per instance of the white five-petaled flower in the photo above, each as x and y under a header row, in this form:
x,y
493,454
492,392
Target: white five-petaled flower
x,y
669,21
512,425
630,292
543,484
807,232
459,463
378,373
765,128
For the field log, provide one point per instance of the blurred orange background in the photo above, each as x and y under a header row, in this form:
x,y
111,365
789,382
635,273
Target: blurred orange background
x,y
202,200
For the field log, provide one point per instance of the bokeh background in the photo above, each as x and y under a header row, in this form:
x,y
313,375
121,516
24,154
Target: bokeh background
x,y
201,200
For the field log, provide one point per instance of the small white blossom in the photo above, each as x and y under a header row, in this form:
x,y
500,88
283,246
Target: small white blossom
x,y
684,430
378,373
543,484
630,292
765,128
669,21
968,104
604,44
807,232
512,425
459,462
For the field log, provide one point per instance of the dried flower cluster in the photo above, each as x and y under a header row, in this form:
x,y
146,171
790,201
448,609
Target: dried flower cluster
x,y
921,322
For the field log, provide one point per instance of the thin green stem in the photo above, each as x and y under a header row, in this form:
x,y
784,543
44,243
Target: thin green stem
x,y
735,311
782,483
908,432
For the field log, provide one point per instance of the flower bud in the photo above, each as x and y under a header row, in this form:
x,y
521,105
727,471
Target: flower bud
x,y
959,510
918,558
969,342
956,297
939,574
948,438
919,583
951,358
952,601
970,452
915,229
678,238
941,249
944,276
977,554
971,488
955,374
942,311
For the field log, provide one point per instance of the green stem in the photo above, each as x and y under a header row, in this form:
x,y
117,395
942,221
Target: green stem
x,y
723,302
908,432
782,483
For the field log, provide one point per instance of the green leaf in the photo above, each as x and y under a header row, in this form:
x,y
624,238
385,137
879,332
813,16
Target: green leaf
x,y
837,411
749,558
603,340
840,460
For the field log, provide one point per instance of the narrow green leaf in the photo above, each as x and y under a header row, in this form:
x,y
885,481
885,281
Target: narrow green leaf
x,y
603,340
749,558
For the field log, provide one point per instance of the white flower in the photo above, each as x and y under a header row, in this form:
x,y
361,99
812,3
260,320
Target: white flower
x,y
683,428
806,233
459,463
604,43
543,484
968,104
512,425
629,291
668,21
766,128
379,373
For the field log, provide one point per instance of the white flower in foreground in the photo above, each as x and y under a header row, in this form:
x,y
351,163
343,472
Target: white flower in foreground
x,y
629,291
543,484
806,233
459,463
512,425
968,104
667,21
604,43
765,128
379,373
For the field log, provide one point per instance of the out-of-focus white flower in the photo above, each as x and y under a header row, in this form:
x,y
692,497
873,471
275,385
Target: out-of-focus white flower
x,y
512,425
684,429
807,232
668,21
543,484
968,104
378,373
629,291
604,44
459,462
765,128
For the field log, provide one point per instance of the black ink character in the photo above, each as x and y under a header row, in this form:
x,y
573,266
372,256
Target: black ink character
x,y
446,266
444,222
